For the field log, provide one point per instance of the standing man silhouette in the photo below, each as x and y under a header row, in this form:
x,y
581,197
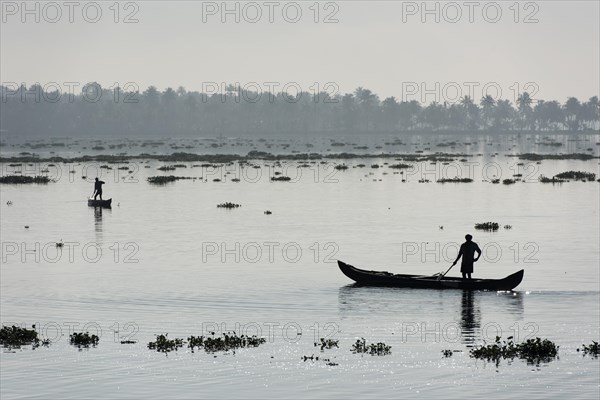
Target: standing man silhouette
x,y
98,188
467,252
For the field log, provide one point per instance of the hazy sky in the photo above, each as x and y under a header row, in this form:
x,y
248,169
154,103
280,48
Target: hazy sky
x,y
381,45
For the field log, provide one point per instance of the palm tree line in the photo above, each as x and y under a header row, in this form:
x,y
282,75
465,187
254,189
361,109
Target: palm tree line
x,y
110,111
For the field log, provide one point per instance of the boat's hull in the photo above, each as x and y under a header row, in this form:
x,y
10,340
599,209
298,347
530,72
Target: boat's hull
x,y
100,203
380,278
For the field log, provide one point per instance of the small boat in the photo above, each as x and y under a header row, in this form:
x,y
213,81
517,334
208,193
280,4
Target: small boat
x,y
100,203
381,278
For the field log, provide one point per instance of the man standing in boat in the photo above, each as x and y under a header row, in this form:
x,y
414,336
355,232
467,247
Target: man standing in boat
x,y
98,188
467,252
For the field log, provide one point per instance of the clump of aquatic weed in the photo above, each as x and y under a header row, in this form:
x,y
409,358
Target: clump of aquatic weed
x,y
508,181
539,157
81,339
455,180
554,179
229,341
487,226
162,180
228,205
18,179
327,343
15,337
400,166
447,353
281,178
379,349
591,349
577,176
534,351
164,345
316,358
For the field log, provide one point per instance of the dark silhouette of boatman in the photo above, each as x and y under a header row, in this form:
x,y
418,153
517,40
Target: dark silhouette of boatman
x,y
98,188
467,252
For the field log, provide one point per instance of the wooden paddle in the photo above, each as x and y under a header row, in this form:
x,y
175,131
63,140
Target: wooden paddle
x,y
444,274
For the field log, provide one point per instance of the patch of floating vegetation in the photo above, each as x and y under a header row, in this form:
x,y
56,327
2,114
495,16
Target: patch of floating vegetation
x,y
268,212
162,180
544,179
341,167
228,205
447,353
18,179
455,180
487,226
281,178
164,345
83,339
534,351
166,168
591,349
577,176
507,226
539,157
227,342
327,343
508,181
15,337
400,166
316,358
374,349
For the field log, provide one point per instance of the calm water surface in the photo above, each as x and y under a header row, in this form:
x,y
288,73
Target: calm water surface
x,y
165,259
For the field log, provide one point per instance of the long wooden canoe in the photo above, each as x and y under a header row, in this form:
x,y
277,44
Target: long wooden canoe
x,y
100,203
381,278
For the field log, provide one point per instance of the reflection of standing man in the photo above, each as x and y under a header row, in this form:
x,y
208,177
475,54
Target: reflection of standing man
x,y
98,188
467,252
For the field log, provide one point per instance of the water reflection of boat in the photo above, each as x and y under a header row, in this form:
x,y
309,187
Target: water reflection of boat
x,y
98,220
456,314
470,322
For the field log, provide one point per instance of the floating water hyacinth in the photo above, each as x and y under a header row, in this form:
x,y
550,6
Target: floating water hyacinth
x,y
576,175
400,166
18,179
161,180
591,349
455,180
544,179
487,226
534,351
164,345
228,341
15,337
378,349
280,178
228,205
327,343
81,339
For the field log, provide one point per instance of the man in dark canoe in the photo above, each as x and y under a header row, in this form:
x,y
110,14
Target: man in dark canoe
x,y
98,188
467,252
